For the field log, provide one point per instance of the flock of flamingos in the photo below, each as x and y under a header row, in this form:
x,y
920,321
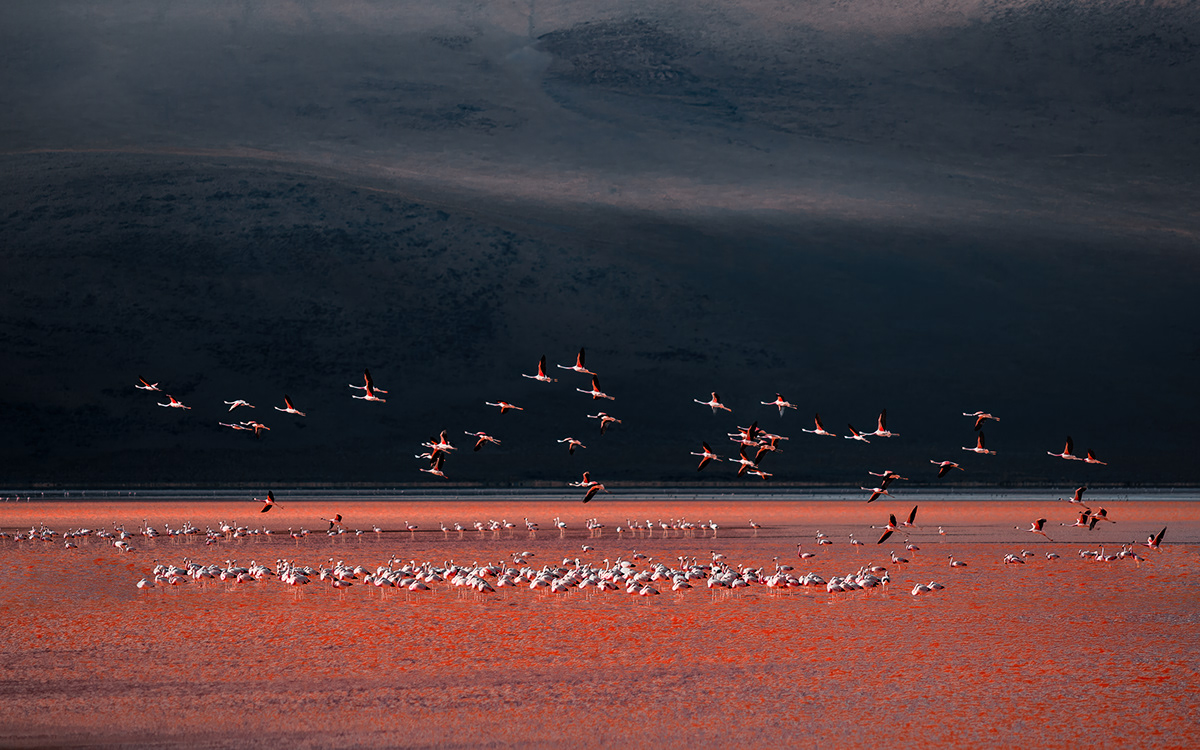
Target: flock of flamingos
x,y
753,445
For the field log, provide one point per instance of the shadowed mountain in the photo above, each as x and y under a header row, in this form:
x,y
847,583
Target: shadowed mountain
x,y
972,206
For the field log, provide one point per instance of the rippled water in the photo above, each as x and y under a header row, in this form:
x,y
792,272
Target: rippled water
x,y
1053,652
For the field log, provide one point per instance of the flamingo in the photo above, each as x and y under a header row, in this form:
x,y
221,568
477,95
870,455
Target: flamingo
x,y
442,443
541,376
289,409
980,418
820,428
147,386
240,402
912,517
746,435
595,488
1036,528
504,406
780,402
595,391
746,462
802,554
1085,520
856,435
268,502
235,426
888,476
1091,459
714,402
1153,541
605,420
174,403
979,447
370,392
706,457
881,428
1067,451
585,482
572,444
256,426
956,563
875,493
578,366
483,438
945,466
891,526
1078,498
368,386
436,467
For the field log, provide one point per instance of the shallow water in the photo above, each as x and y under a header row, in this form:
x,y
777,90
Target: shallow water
x,y
1052,652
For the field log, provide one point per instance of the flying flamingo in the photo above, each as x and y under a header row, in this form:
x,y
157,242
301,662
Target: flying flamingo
x,y
1036,528
578,366
483,438
256,426
945,466
605,420
1067,451
856,435
706,457
875,493
238,426
746,462
1091,459
287,402
585,482
1085,520
436,467
541,373
891,526
979,446
1153,541
888,476
147,386
714,402
370,392
1078,498
174,404
881,428
268,502
240,402
572,444
597,487
980,418
780,402
595,392
820,428
504,406
746,435
912,517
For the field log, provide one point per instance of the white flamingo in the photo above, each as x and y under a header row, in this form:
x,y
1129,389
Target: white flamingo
x,y
714,402
780,402
820,428
979,447
541,376
289,408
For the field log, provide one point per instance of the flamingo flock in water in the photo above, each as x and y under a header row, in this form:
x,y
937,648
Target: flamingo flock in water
x,y
621,574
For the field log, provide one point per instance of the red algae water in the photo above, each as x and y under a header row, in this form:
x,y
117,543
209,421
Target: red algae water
x,y
1067,651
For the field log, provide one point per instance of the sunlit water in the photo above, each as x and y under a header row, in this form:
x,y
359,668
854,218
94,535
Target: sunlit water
x,y
1061,652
